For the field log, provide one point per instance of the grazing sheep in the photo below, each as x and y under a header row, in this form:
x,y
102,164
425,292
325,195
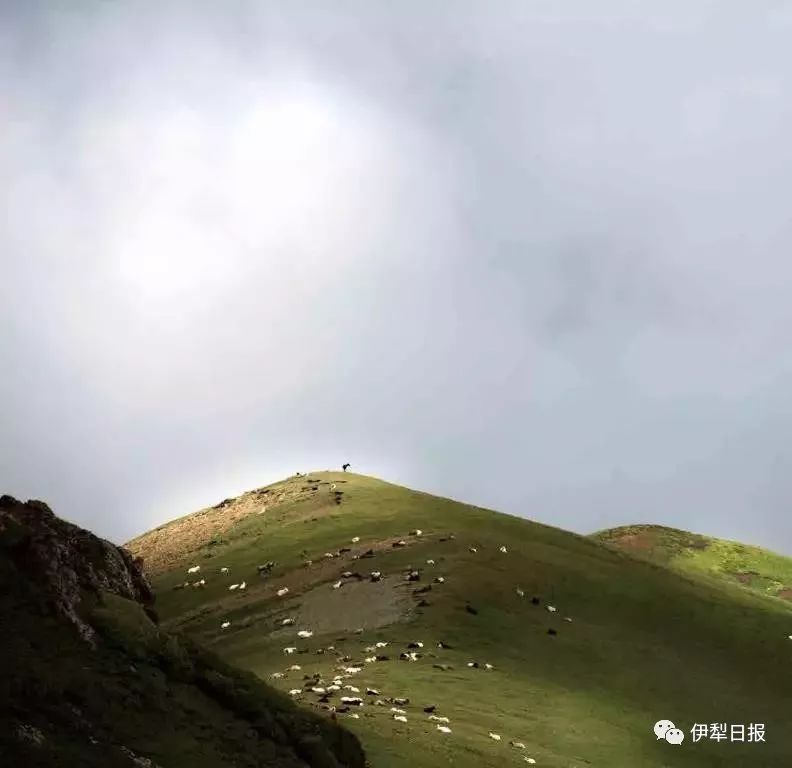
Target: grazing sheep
x,y
413,576
194,569
277,675
380,644
411,656
283,591
439,580
370,659
243,585
346,466
430,562
289,650
520,593
416,532
295,692
400,543
552,608
504,550
488,666
375,575
337,585
305,633
398,711
318,689
371,691
517,744
352,688
352,670
355,701
224,570
473,550
535,601
225,625
416,644
400,718
400,701
551,631
473,664
355,539
233,587
287,622
443,729
566,618
294,668
494,736
470,609
438,719
200,583
529,760
355,715
329,555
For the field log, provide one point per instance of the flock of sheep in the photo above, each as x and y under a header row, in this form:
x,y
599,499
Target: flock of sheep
x,y
347,669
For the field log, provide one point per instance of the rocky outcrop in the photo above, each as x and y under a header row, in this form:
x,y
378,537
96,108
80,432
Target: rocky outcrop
x,y
66,561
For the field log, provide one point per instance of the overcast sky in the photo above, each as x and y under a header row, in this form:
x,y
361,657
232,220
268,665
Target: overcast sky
x,y
532,255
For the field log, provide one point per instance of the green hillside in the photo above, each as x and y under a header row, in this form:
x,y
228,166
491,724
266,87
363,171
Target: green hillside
x,y
633,642
752,567
123,693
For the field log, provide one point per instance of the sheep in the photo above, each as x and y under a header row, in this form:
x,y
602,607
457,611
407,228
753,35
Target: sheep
x,y
439,580
329,555
400,543
504,550
417,644
370,659
352,688
376,575
224,570
337,585
289,650
287,622
566,618
529,760
443,729
352,670
295,692
380,644
494,736
346,466
194,569
400,701
416,532
520,592
243,585
398,711
413,576
400,718
318,689
552,608
411,656
333,487
473,550
488,666
370,691
283,591
535,600
355,715
305,633
430,562
429,710
439,719
517,744
277,675
200,583
355,539
355,701
233,587
225,625
294,668
473,664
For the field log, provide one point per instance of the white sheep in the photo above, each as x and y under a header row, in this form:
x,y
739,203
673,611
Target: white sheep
x,y
529,760
224,570
520,592
430,562
225,625
287,622
355,539
318,689
370,659
277,675
329,555
305,634
194,569
503,549
517,744
289,650
283,591
355,715
233,587
243,585
355,700
417,532
352,670
294,668
380,644
352,688
398,711
439,719
295,692
488,666
473,550
494,736
552,608
566,618
443,729
337,585
400,718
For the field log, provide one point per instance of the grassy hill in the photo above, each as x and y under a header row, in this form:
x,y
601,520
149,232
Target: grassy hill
x,y
123,693
752,567
631,642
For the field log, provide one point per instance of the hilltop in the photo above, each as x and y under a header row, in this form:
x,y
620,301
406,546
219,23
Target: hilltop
x,y
752,567
629,642
89,680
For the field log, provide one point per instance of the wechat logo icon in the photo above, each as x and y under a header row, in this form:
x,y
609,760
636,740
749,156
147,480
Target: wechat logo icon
x,y
665,729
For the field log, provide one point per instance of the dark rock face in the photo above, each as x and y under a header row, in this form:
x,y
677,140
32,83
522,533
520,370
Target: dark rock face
x,y
68,561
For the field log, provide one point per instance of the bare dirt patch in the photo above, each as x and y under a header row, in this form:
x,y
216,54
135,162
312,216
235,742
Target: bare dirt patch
x,y
785,594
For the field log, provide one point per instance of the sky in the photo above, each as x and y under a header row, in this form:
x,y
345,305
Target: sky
x,y
530,255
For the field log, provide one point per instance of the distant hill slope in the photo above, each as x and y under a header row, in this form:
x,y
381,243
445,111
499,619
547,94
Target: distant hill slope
x,y
629,643
88,680
752,567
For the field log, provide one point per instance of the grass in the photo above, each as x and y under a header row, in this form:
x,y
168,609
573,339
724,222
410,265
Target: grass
x,y
646,642
142,693
754,568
